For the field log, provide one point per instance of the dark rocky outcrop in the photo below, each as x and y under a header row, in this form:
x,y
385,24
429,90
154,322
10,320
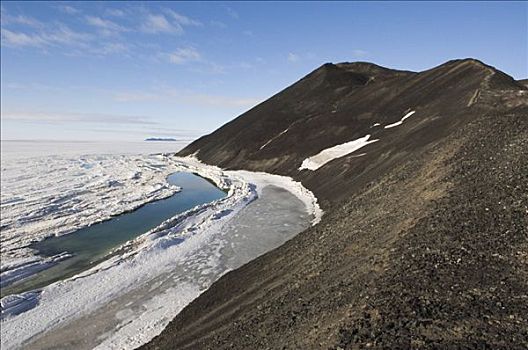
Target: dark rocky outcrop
x,y
424,243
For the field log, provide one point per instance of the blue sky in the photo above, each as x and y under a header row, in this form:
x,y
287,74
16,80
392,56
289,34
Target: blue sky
x,y
126,71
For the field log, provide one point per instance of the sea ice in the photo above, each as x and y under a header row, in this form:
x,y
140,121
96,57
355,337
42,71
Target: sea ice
x,y
56,195
191,240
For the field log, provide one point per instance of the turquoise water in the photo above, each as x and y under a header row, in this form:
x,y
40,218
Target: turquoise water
x,y
91,245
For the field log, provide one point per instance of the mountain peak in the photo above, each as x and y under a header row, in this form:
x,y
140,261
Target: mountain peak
x,y
340,102
371,69
355,73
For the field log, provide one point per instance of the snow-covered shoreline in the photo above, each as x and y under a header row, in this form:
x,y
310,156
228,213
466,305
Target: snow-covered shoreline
x,y
144,258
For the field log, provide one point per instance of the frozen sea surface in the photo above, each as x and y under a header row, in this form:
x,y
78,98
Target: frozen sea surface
x,y
261,226
129,298
55,188
91,245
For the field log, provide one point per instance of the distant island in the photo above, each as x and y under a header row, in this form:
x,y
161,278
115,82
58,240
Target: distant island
x,y
160,139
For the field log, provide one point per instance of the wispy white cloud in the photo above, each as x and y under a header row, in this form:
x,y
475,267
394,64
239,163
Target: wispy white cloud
x,y
69,9
136,96
184,55
292,57
218,24
173,95
158,23
219,101
115,12
359,53
25,87
106,26
10,38
110,48
73,117
143,132
168,22
208,67
62,34
19,19
232,13
246,65
183,20
22,31
58,35
71,42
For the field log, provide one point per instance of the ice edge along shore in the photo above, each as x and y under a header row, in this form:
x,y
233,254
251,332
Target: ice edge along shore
x,y
143,258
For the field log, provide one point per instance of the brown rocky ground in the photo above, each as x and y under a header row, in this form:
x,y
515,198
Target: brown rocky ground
x,y
424,243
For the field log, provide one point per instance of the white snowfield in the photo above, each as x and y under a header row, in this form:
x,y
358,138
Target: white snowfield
x,y
56,195
400,122
326,155
180,241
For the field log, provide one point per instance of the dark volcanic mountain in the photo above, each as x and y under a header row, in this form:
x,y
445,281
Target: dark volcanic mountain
x,y
424,241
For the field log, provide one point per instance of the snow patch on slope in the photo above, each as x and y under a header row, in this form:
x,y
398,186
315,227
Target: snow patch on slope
x,y
400,122
274,138
326,155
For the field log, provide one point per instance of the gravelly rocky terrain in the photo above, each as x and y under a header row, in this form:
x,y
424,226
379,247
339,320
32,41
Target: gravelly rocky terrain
x,y
424,243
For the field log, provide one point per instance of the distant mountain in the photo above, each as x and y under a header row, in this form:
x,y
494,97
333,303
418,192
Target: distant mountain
x,y
423,177
160,139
